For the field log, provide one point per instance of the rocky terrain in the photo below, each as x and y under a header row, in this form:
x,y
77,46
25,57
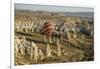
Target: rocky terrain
x,y
75,38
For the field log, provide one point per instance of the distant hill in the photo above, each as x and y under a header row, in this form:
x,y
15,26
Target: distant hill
x,y
42,13
82,14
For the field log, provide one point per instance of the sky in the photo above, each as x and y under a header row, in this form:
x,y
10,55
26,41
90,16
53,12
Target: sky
x,y
51,8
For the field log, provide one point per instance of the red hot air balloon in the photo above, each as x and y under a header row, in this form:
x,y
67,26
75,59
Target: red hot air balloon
x,y
48,28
